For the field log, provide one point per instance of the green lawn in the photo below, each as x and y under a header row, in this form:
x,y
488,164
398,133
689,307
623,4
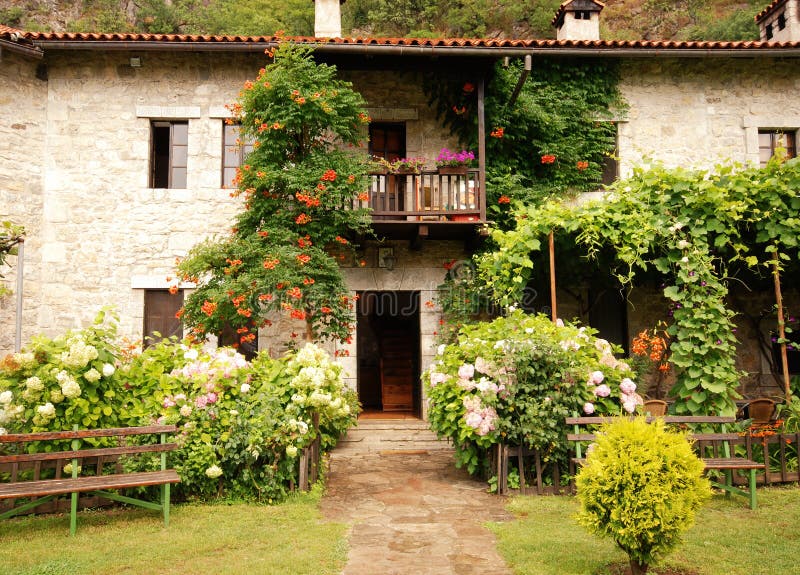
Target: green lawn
x,y
728,538
201,539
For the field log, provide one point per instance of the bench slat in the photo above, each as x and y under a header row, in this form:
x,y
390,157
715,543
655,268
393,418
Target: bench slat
x,y
86,433
81,484
677,419
87,453
731,463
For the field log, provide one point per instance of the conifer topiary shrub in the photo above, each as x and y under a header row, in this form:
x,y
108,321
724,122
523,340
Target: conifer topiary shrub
x,y
641,485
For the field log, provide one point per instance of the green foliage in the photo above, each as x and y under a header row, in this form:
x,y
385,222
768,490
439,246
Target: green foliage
x,y
53,384
687,226
553,140
301,192
789,412
257,17
241,425
100,15
641,486
738,25
13,16
515,379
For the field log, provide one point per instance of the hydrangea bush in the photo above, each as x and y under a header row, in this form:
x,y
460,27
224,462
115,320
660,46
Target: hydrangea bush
x,y
515,379
55,383
242,425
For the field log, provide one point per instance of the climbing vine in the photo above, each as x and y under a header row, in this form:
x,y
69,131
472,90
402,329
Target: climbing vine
x,y
11,235
696,229
304,197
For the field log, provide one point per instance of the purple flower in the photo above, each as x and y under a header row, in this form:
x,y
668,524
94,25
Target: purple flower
x,y
703,283
691,274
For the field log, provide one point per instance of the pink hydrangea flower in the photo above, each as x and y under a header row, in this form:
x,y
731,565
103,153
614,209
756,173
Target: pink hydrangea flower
x,y
201,401
466,371
211,397
627,386
602,390
596,378
168,402
588,408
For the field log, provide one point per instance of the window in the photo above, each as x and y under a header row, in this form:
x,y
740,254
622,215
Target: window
x,y
781,21
234,151
583,14
611,162
769,31
160,322
770,140
169,145
387,140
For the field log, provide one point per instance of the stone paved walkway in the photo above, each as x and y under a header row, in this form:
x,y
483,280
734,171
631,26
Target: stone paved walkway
x,y
413,513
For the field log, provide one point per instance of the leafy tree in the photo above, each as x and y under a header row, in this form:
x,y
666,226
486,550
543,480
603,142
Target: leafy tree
x,y
258,17
737,26
641,486
301,192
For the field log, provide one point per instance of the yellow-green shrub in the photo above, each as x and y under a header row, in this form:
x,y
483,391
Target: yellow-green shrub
x,y
641,486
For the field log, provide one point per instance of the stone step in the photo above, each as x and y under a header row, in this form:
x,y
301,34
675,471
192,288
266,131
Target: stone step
x,y
385,435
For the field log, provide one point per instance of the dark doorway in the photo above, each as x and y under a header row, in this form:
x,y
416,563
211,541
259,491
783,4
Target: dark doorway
x,y
608,314
388,352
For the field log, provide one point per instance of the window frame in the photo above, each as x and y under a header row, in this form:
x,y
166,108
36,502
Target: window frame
x,y
172,147
148,318
239,148
776,135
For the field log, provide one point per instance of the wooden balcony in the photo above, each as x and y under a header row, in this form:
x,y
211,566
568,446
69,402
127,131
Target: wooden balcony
x,y
430,203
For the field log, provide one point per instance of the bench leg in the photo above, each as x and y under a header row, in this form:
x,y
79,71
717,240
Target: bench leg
x,y
728,482
752,489
73,513
165,502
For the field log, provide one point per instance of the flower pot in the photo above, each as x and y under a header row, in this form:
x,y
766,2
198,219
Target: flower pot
x,y
453,170
464,218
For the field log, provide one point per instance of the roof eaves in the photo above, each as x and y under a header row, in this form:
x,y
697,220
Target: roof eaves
x,y
774,5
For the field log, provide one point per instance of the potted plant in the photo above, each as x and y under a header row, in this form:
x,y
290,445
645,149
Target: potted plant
x,y
403,165
448,162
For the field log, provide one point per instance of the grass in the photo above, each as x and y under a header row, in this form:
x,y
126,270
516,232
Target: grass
x,y
728,538
201,539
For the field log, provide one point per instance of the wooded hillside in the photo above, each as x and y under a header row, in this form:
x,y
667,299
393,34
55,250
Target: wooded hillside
x,y
622,19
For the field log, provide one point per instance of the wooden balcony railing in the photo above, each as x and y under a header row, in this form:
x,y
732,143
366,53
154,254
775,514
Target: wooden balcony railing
x,y
430,196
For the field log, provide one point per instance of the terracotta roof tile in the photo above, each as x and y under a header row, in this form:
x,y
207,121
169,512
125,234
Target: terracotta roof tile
x,y
43,38
766,11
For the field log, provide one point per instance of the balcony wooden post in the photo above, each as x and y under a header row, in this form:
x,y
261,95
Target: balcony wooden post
x,y
481,149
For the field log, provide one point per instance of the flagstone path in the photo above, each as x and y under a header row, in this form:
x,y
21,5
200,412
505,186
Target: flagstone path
x,y
412,513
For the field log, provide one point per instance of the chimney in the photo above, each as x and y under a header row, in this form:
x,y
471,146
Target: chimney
x,y
578,20
780,22
328,18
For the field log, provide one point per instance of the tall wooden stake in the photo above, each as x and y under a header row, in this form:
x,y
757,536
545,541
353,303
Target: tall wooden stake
x,y
781,329
553,276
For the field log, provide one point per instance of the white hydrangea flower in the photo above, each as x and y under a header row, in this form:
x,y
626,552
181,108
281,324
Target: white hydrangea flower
x,y
213,472
245,388
186,410
33,384
291,451
47,410
192,354
92,375
108,370
70,388
6,397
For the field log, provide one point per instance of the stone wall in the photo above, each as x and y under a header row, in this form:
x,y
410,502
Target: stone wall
x,y
23,100
697,113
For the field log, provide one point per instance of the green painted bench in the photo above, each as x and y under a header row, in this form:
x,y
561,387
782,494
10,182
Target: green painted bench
x,y
40,491
714,448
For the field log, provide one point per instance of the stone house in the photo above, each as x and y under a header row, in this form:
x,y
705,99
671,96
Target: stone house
x,y
114,156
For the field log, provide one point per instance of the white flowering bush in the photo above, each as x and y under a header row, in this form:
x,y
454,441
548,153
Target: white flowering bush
x,y
515,379
242,425
53,384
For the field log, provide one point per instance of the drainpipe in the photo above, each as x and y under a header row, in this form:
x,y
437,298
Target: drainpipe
x,y
482,147
20,269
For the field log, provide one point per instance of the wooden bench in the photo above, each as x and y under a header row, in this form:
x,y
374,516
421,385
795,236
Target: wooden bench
x,y
716,445
43,490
